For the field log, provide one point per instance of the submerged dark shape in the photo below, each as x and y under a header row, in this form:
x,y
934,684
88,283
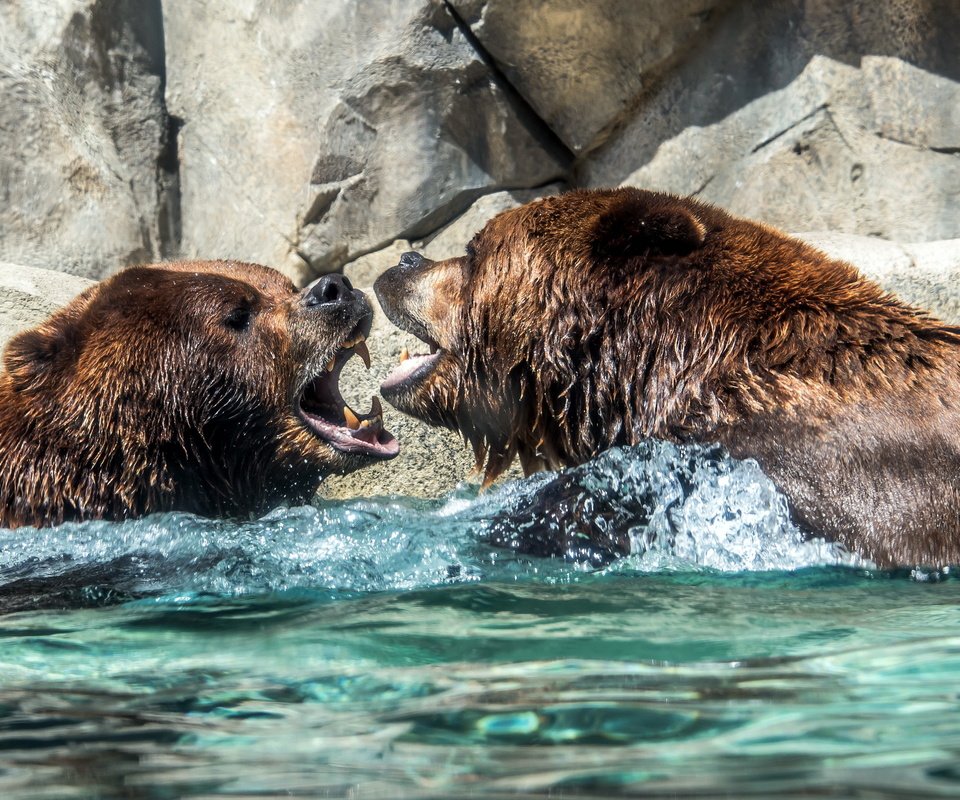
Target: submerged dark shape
x,y
578,518
603,318
208,387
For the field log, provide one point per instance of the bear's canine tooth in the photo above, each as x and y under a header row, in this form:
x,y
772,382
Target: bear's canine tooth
x,y
360,348
331,364
350,418
404,355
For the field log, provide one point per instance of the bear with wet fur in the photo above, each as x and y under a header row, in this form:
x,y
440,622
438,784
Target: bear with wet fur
x,y
602,318
208,387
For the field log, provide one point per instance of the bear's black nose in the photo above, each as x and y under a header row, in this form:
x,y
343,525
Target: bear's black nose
x,y
411,260
332,288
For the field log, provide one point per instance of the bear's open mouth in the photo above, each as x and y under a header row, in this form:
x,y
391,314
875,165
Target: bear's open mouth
x,y
326,414
412,368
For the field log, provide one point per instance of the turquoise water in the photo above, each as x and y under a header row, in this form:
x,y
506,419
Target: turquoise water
x,y
381,649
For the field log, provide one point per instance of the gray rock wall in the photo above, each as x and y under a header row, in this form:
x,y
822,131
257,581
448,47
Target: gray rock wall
x,y
310,135
87,177
872,151
28,295
315,132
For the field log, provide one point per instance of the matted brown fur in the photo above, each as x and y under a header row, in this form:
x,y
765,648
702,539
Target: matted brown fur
x,y
599,318
167,388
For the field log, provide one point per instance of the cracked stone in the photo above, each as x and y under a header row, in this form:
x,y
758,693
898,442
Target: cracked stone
x,y
581,65
812,155
84,151
315,132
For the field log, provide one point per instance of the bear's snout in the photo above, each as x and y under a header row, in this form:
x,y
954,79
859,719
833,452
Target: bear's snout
x,y
411,260
331,289
336,300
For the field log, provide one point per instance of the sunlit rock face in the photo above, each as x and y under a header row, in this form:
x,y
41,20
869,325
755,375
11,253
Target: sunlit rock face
x,y
314,132
311,135
88,183
747,50
869,151
581,66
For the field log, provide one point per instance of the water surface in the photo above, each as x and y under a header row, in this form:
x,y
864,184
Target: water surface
x,y
381,649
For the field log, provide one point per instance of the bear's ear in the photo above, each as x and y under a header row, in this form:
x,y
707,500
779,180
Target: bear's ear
x,y
30,357
644,223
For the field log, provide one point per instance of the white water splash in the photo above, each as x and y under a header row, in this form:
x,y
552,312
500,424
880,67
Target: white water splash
x,y
685,509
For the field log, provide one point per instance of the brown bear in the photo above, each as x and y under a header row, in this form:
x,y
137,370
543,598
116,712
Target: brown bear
x,y
601,318
209,387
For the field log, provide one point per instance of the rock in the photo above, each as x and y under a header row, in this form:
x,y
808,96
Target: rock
x,y
911,106
926,274
29,295
84,158
364,270
450,240
815,154
580,65
752,48
316,132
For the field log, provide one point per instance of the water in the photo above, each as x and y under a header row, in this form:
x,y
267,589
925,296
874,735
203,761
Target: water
x,y
382,649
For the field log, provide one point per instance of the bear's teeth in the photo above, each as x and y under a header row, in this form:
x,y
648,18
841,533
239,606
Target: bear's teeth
x,y
358,339
350,418
375,418
361,350
331,364
404,355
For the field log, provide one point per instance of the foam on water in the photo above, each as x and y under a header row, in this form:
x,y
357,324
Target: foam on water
x,y
686,508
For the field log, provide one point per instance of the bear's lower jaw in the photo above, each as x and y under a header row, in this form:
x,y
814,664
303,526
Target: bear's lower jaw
x,y
324,413
369,438
411,371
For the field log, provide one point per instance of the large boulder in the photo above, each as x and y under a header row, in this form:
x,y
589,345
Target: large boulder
x,y
315,132
870,150
87,174
580,65
28,295
751,48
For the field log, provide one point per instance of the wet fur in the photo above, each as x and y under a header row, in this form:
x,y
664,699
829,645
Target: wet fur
x,y
140,397
600,318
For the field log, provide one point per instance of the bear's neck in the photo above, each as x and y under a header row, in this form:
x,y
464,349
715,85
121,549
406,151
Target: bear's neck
x,y
861,349
50,473
682,381
55,468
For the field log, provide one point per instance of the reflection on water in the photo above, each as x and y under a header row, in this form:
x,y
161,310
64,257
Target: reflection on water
x,y
381,649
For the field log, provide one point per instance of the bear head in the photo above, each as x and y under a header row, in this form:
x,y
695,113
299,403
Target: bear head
x,y
603,317
209,387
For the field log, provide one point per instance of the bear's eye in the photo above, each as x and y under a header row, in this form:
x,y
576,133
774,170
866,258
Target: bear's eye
x,y
239,319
